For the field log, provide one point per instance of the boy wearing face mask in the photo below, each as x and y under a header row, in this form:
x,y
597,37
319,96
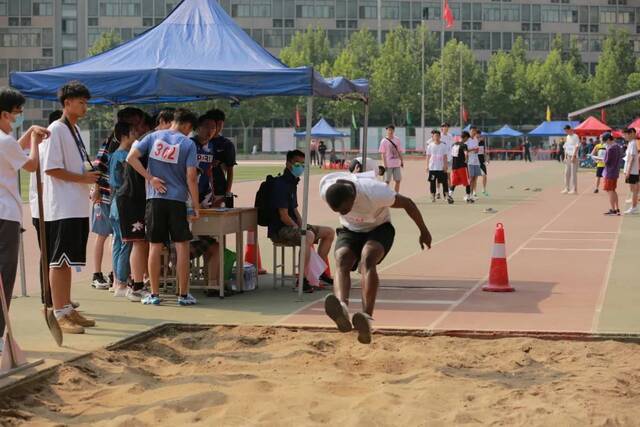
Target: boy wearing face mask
x,y
286,222
12,159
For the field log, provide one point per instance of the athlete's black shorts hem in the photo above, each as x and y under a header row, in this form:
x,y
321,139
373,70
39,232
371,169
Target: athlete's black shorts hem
x,y
599,171
383,234
67,242
132,218
166,221
633,179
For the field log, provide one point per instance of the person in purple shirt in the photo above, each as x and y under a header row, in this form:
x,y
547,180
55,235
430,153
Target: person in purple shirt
x,y
612,172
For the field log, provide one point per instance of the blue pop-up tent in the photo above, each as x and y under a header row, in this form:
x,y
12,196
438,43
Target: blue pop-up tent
x,y
505,132
552,128
323,129
197,52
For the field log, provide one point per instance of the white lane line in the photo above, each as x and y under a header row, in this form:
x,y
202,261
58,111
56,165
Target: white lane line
x,y
567,249
603,291
484,279
409,301
553,239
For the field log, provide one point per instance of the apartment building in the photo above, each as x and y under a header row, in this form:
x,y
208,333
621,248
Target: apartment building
x,y
36,34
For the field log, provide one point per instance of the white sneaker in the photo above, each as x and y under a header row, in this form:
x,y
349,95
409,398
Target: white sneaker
x,y
120,292
188,300
136,296
565,191
573,192
632,211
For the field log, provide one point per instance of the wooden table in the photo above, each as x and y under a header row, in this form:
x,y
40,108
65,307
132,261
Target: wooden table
x,y
220,222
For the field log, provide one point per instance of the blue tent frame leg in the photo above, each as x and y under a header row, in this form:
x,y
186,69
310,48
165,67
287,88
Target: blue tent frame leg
x,y
305,200
365,134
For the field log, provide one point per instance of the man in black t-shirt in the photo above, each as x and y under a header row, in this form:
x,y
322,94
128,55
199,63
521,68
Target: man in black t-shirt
x,y
224,160
459,174
483,157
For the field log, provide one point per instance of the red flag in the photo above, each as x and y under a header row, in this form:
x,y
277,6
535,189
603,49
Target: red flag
x,y
603,115
448,14
297,117
465,114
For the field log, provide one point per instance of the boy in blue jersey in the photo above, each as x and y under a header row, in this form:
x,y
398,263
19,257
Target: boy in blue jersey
x,y
171,176
224,160
204,133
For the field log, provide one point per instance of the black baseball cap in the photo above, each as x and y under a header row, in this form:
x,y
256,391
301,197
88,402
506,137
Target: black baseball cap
x,y
391,127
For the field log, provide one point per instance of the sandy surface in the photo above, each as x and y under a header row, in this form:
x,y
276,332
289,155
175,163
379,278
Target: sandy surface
x,y
246,376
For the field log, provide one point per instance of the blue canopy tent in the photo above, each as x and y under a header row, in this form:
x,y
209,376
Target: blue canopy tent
x,y
323,129
505,132
552,128
197,52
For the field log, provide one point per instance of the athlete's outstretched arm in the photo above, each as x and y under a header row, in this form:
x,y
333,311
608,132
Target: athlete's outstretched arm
x,y
412,210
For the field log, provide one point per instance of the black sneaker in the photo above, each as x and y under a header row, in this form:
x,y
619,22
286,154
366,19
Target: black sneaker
x,y
111,278
450,200
99,282
326,279
306,287
596,191
612,212
438,196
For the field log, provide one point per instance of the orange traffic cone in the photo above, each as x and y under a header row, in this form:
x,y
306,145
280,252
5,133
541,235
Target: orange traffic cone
x,y
252,253
498,275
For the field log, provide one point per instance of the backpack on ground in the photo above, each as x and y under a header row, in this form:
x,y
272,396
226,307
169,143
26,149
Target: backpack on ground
x,y
263,201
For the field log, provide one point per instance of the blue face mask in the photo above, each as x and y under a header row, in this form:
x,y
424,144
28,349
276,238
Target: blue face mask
x,y
18,123
297,170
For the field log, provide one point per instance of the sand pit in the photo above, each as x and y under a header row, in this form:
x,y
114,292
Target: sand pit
x,y
251,376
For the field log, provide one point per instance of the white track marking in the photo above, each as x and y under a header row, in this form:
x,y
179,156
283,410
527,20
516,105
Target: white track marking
x,y
552,239
603,291
484,279
568,249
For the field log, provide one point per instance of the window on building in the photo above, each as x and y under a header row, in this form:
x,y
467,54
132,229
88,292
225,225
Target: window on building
x,y
25,7
583,13
289,23
595,44
550,13
463,37
9,39
92,22
30,39
110,7
481,40
476,26
608,15
93,8
594,15
261,9
47,53
431,11
568,14
466,25
43,8
526,26
540,42
352,23
147,7
491,12
4,73
14,8
256,34
169,6
495,41
69,55
147,22
535,13
273,38
510,12
466,11
26,64
25,22
41,64
47,37
594,28
584,28
130,8
536,26
336,37
277,23
368,10
324,9
390,10
3,9
507,39
416,11
405,10
526,13
69,26
14,22
241,10
582,43
626,15
476,12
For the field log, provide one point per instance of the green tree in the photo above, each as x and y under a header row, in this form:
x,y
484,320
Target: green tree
x,y
559,85
308,48
455,55
107,40
615,65
500,87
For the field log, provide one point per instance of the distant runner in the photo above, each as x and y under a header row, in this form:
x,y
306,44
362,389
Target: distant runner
x,y
363,241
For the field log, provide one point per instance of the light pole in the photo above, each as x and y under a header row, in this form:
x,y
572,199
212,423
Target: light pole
x,y
422,35
379,22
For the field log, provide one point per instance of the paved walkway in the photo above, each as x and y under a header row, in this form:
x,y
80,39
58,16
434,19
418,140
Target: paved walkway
x,y
572,267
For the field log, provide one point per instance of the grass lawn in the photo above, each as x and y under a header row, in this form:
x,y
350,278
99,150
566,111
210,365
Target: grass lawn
x,y
242,173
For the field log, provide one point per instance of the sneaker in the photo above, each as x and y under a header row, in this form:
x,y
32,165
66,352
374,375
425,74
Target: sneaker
x,y
151,300
68,326
631,211
111,277
136,296
485,194
596,191
433,199
565,191
362,324
612,212
79,319
572,192
188,300
306,287
326,279
469,200
338,312
120,291
99,282
438,196
75,304
450,200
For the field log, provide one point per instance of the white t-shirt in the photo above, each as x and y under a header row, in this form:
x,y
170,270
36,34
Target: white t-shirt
x,y
372,165
12,158
62,199
632,151
371,207
473,159
439,154
570,144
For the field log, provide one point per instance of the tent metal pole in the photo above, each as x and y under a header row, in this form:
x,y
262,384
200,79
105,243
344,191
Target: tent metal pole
x,y
305,199
21,259
365,134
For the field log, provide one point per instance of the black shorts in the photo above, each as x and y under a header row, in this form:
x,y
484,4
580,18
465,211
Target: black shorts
x,y
483,167
167,221
599,171
633,179
383,234
439,176
132,222
67,242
